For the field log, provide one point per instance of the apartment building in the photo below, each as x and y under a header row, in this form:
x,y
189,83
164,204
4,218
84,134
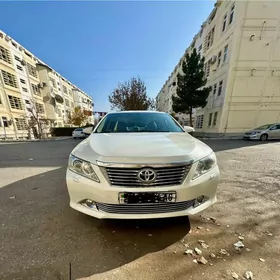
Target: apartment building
x,y
85,102
33,94
240,41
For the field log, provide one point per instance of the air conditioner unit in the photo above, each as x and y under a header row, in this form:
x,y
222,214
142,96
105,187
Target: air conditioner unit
x,y
213,59
23,63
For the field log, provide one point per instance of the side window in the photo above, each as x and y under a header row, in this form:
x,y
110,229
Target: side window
x,y
273,127
278,126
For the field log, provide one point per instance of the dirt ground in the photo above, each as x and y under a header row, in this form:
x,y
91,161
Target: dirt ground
x,y
41,234
247,211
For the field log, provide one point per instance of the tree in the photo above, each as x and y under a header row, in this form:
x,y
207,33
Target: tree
x,y
191,92
35,121
174,116
78,117
131,95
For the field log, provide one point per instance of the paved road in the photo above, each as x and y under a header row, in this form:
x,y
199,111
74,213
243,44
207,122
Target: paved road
x,y
40,234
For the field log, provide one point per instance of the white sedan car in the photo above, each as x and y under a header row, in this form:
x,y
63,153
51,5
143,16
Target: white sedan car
x,y
141,165
78,133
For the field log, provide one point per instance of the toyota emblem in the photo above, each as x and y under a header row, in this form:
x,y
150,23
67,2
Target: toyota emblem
x,y
147,175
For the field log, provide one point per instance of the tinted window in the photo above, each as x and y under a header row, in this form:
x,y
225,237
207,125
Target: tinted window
x,y
263,127
78,129
138,122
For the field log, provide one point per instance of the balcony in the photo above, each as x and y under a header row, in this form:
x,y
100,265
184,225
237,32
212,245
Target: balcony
x,y
87,113
59,98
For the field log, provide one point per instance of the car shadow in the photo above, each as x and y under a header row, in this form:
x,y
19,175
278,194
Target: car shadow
x,y
41,234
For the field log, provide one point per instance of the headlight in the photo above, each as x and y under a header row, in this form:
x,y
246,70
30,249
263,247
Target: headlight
x,y
82,167
205,165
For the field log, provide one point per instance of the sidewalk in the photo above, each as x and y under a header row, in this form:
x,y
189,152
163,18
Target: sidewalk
x,y
38,140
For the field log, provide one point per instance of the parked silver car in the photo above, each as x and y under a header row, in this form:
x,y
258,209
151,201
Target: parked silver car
x,y
264,132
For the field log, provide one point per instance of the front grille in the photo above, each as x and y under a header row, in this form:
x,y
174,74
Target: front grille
x,y
144,208
165,176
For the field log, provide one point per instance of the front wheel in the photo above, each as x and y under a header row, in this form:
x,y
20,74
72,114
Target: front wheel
x,y
263,137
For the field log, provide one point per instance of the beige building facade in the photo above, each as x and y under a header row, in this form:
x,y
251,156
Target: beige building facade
x,y
31,90
240,42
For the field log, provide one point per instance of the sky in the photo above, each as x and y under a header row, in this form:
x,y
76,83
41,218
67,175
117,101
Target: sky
x,y
97,45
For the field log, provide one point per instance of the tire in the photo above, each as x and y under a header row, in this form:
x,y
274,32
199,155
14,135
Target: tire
x,y
264,137
74,137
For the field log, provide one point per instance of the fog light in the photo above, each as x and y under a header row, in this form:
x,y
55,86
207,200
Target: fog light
x,y
89,203
199,200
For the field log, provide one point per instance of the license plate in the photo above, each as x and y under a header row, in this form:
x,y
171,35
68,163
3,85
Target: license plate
x,y
147,197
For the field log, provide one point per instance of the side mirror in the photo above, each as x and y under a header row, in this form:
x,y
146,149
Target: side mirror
x,y
88,130
189,129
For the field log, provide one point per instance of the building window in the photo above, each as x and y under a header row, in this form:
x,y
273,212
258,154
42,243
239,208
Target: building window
x,y
53,82
24,89
21,124
215,118
207,68
32,70
28,54
17,58
19,68
224,23
1,100
72,104
22,81
231,14
220,88
9,79
64,90
199,121
35,89
214,89
209,39
27,102
5,122
225,53
15,102
67,103
210,119
5,55
200,48
219,58
40,108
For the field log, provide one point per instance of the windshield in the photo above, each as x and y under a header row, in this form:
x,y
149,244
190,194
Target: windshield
x,y
263,127
138,122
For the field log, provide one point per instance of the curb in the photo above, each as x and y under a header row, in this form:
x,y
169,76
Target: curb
x,y
220,138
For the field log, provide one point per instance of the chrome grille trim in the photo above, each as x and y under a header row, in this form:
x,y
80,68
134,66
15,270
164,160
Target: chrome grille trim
x,y
142,165
145,208
165,176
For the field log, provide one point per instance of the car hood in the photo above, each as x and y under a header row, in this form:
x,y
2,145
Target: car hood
x,y
141,148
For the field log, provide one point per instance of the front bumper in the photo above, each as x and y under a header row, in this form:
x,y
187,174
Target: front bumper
x,y
106,197
251,137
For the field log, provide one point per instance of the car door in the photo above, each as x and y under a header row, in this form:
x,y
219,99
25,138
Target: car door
x,y
274,132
